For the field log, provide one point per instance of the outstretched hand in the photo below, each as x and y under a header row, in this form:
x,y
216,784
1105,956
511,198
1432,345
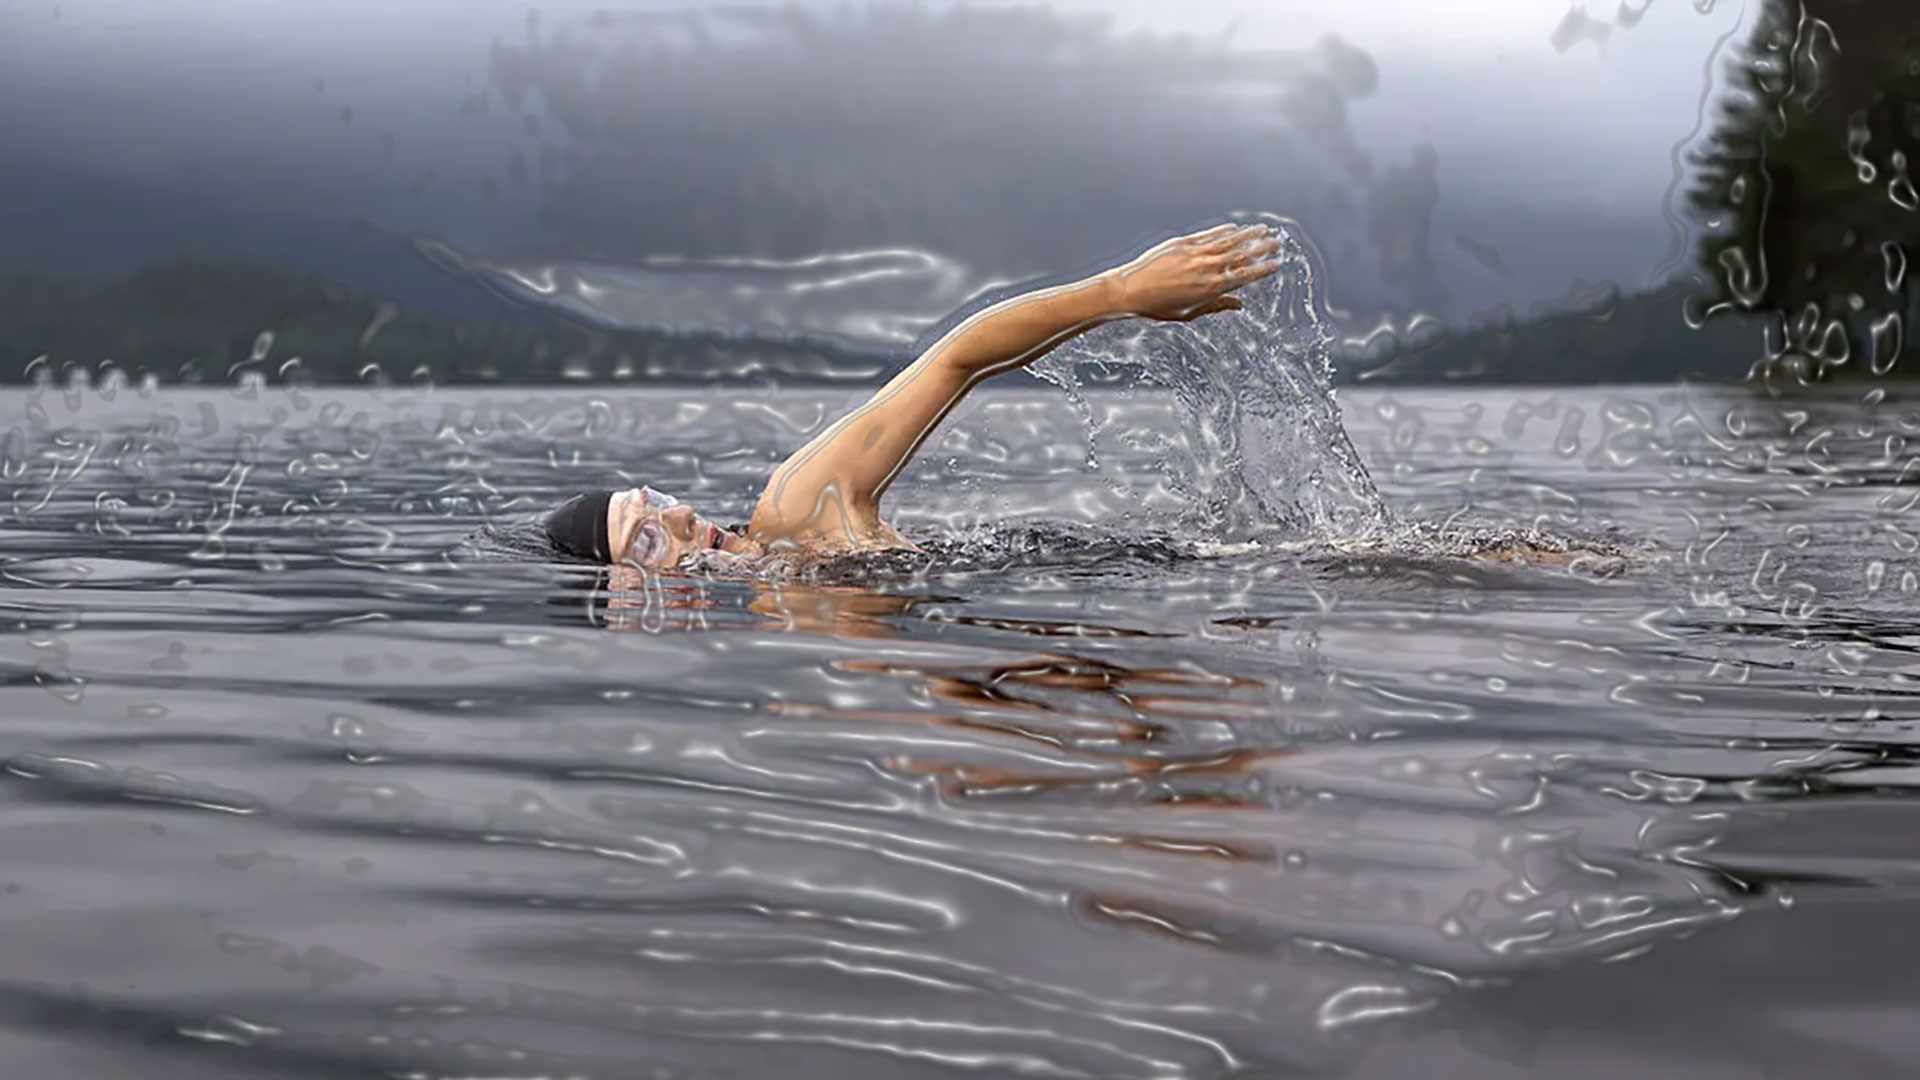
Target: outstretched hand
x,y
1190,276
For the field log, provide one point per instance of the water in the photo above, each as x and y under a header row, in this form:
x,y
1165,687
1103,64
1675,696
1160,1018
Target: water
x,y
1261,448
299,781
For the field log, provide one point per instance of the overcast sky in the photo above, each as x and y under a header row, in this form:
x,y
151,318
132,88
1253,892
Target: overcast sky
x,y
1444,157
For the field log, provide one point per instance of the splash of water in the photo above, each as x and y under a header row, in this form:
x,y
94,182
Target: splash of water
x,y
1265,455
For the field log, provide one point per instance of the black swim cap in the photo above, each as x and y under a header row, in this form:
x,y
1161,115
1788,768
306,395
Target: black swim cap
x,y
578,527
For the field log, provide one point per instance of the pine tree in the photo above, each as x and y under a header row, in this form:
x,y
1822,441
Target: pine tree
x,y
1806,183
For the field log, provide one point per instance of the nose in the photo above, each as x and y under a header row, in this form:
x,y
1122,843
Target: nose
x,y
679,520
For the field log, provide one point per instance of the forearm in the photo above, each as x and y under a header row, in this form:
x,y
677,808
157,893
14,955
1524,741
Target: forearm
x,y
852,463
1018,331
1005,336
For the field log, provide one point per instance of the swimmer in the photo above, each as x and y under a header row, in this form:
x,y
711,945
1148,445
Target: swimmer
x,y
825,499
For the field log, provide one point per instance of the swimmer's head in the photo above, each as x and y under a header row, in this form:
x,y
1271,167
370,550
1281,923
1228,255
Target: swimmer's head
x,y
577,528
655,531
638,527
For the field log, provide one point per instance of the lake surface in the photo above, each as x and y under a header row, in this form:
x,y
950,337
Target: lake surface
x,y
304,777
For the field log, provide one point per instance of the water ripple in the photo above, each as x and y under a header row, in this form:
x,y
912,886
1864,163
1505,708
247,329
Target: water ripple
x,y
300,779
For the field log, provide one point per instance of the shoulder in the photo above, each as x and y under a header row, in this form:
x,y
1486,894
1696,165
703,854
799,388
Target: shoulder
x,y
825,535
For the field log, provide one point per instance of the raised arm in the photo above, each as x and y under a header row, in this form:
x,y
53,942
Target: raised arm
x,y
830,490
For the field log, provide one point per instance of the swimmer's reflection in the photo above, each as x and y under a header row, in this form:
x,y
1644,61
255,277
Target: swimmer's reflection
x,y
839,611
1038,725
1098,728
629,599
1087,725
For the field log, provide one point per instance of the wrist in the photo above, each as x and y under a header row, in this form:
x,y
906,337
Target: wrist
x,y
1114,294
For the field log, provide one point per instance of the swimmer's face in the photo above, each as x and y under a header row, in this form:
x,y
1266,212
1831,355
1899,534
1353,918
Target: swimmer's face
x,y
655,531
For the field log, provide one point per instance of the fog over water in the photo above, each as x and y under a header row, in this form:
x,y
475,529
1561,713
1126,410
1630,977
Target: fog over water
x,y
1444,164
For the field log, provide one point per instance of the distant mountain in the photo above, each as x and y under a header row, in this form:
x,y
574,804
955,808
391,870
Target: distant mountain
x,y
1644,337
208,322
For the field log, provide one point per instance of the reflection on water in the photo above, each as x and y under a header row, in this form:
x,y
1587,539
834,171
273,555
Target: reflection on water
x,y
299,780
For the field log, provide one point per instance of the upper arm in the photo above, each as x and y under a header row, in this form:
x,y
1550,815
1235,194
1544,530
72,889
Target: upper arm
x,y
832,486
834,483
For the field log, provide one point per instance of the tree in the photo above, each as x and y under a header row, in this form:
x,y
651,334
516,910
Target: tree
x,y
1805,183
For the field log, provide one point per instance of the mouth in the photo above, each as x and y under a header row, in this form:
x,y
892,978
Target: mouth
x,y
716,537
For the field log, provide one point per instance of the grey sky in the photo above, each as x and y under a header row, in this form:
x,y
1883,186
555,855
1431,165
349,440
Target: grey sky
x,y
1445,157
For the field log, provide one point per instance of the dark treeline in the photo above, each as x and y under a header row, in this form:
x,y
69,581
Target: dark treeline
x,y
213,322
1807,184
1640,338
187,323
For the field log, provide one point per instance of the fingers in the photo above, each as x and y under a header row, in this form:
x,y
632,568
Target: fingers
x,y
1223,240
1207,237
1232,268
1215,241
1249,261
1264,248
1228,237
1250,272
